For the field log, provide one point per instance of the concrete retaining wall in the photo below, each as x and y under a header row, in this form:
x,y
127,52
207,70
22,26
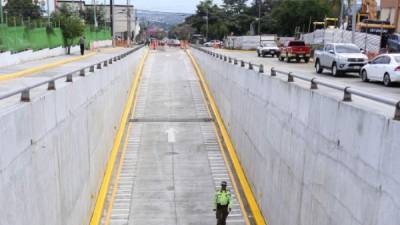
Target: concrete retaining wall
x,y
100,44
8,59
54,149
311,159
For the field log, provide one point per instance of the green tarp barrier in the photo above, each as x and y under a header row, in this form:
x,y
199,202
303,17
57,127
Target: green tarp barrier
x,y
20,38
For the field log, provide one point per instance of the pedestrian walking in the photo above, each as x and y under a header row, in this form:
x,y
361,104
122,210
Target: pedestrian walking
x,y
82,45
222,204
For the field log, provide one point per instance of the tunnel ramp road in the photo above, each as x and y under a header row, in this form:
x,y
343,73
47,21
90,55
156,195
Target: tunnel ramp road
x,y
171,159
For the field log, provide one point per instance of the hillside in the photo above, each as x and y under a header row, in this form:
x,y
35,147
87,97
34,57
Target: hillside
x,y
161,19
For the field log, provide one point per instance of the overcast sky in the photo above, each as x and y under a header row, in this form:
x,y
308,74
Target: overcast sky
x,y
186,6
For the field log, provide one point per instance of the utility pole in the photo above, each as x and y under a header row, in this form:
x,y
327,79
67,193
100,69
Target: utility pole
x,y
353,22
259,19
207,25
112,20
48,12
1,11
94,14
341,14
128,22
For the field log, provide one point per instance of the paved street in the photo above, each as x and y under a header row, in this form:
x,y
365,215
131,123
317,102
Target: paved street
x,y
173,163
307,69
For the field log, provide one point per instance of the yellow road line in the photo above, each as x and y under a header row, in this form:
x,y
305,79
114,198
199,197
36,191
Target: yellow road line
x,y
258,217
97,212
116,181
234,182
42,67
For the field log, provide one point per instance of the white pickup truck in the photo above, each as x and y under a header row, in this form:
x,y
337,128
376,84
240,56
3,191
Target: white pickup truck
x,y
268,48
339,58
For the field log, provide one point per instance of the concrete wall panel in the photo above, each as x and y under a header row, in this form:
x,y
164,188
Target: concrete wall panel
x,y
311,159
55,148
9,59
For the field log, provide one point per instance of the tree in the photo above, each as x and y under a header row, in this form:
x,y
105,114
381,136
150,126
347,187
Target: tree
x,y
217,20
88,15
181,32
72,27
234,7
291,13
23,8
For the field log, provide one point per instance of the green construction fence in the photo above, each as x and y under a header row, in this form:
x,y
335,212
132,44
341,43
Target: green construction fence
x,y
20,38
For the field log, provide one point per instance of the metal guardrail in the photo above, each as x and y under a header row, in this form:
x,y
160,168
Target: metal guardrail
x,y
51,82
348,91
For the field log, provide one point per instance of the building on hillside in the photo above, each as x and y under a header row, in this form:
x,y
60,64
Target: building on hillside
x,y
390,10
125,19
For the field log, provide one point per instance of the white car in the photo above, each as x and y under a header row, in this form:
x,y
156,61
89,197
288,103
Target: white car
x,y
208,44
385,68
268,48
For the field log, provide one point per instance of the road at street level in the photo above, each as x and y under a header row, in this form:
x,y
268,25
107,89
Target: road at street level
x,y
352,80
45,72
40,65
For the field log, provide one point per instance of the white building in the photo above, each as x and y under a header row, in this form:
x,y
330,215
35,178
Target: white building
x,y
124,15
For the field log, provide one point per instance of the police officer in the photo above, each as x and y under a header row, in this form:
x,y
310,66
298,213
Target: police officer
x,y
222,204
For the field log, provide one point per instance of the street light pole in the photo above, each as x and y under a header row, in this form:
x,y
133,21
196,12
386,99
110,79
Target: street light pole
x,y
48,13
207,25
259,19
353,22
1,11
94,14
128,22
259,16
341,14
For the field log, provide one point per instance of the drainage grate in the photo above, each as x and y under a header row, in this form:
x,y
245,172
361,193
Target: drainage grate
x,y
177,120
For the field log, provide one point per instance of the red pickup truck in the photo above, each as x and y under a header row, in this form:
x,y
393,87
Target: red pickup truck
x,y
295,50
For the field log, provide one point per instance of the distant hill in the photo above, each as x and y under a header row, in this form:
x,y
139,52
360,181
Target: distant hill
x,y
161,19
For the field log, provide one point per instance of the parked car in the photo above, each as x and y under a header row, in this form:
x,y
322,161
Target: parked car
x,y
385,68
339,58
295,50
268,48
393,43
213,43
173,43
208,44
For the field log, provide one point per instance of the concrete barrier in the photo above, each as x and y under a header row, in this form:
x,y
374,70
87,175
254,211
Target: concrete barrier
x,y
311,159
8,59
54,149
100,44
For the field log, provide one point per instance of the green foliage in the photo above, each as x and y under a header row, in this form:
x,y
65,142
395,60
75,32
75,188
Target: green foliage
x,y
277,17
88,15
72,26
292,13
181,32
23,9
217,20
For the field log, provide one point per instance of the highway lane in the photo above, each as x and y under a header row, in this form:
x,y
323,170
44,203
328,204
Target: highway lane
x,y
307,69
